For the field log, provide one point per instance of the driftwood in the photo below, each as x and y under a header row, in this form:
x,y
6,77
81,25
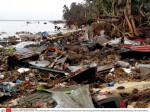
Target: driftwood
x,y
130,20
109,20
117,28
134,27
129,23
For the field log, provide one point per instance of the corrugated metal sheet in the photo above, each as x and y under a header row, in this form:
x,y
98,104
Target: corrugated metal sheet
x,y
64,101
82,96
79,98
35,97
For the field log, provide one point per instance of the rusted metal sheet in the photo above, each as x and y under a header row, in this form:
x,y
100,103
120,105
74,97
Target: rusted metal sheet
x,y
145,48
136,52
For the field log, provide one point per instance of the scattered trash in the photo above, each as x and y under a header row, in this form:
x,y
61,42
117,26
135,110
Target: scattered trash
x,y
123,64
27,80
127,70
137,52
40,63
19,82
111,84
131,60
49,71
8,87
80,75
12,62
105,69
101,40
144,68
1,76
24,44
114,42
108,100
127,41
23,70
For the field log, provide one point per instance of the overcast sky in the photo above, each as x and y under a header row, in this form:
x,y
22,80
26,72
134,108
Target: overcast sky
x,y
33,9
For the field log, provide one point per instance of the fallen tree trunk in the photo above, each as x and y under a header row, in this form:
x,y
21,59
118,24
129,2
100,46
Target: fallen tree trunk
x,y
129,23
134,27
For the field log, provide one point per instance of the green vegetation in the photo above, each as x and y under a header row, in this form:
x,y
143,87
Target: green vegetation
x,y
5,51
59,34
132,12
82,12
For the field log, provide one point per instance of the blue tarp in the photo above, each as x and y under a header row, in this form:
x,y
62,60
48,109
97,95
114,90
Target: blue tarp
x,y
44,33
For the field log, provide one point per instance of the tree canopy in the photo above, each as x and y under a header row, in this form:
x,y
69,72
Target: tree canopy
x,y
81,13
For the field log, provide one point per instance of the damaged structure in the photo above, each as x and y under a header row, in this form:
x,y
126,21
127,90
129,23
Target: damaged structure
x,y
66,72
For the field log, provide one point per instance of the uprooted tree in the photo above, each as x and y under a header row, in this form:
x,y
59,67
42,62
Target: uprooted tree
x,y
128,17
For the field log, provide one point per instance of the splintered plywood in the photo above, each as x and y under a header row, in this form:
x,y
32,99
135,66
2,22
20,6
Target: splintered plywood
x,y
105,68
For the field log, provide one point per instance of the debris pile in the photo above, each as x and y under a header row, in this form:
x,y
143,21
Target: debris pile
x,y
49,68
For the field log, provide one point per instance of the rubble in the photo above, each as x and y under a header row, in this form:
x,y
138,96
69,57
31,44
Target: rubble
x,y
123,64
144,68
44,71
105,68
140,98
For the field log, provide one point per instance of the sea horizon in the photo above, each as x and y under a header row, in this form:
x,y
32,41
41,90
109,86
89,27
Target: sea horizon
x,y
31,20
11,27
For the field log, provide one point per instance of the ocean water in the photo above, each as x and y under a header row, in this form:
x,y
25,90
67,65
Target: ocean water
x,y
9,28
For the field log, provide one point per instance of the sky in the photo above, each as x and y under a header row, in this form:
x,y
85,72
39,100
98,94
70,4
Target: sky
x,y
33,9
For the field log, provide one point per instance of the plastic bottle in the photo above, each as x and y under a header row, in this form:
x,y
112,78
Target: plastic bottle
x,y
111,84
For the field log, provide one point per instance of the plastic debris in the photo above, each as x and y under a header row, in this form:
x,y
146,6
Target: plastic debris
x,y
1,76
111,84
127,70
123,64
23,70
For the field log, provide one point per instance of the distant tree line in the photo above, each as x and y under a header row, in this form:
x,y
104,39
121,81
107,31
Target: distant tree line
x,y
82,13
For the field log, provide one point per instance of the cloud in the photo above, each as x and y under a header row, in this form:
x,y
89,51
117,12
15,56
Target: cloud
x,y
33,9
